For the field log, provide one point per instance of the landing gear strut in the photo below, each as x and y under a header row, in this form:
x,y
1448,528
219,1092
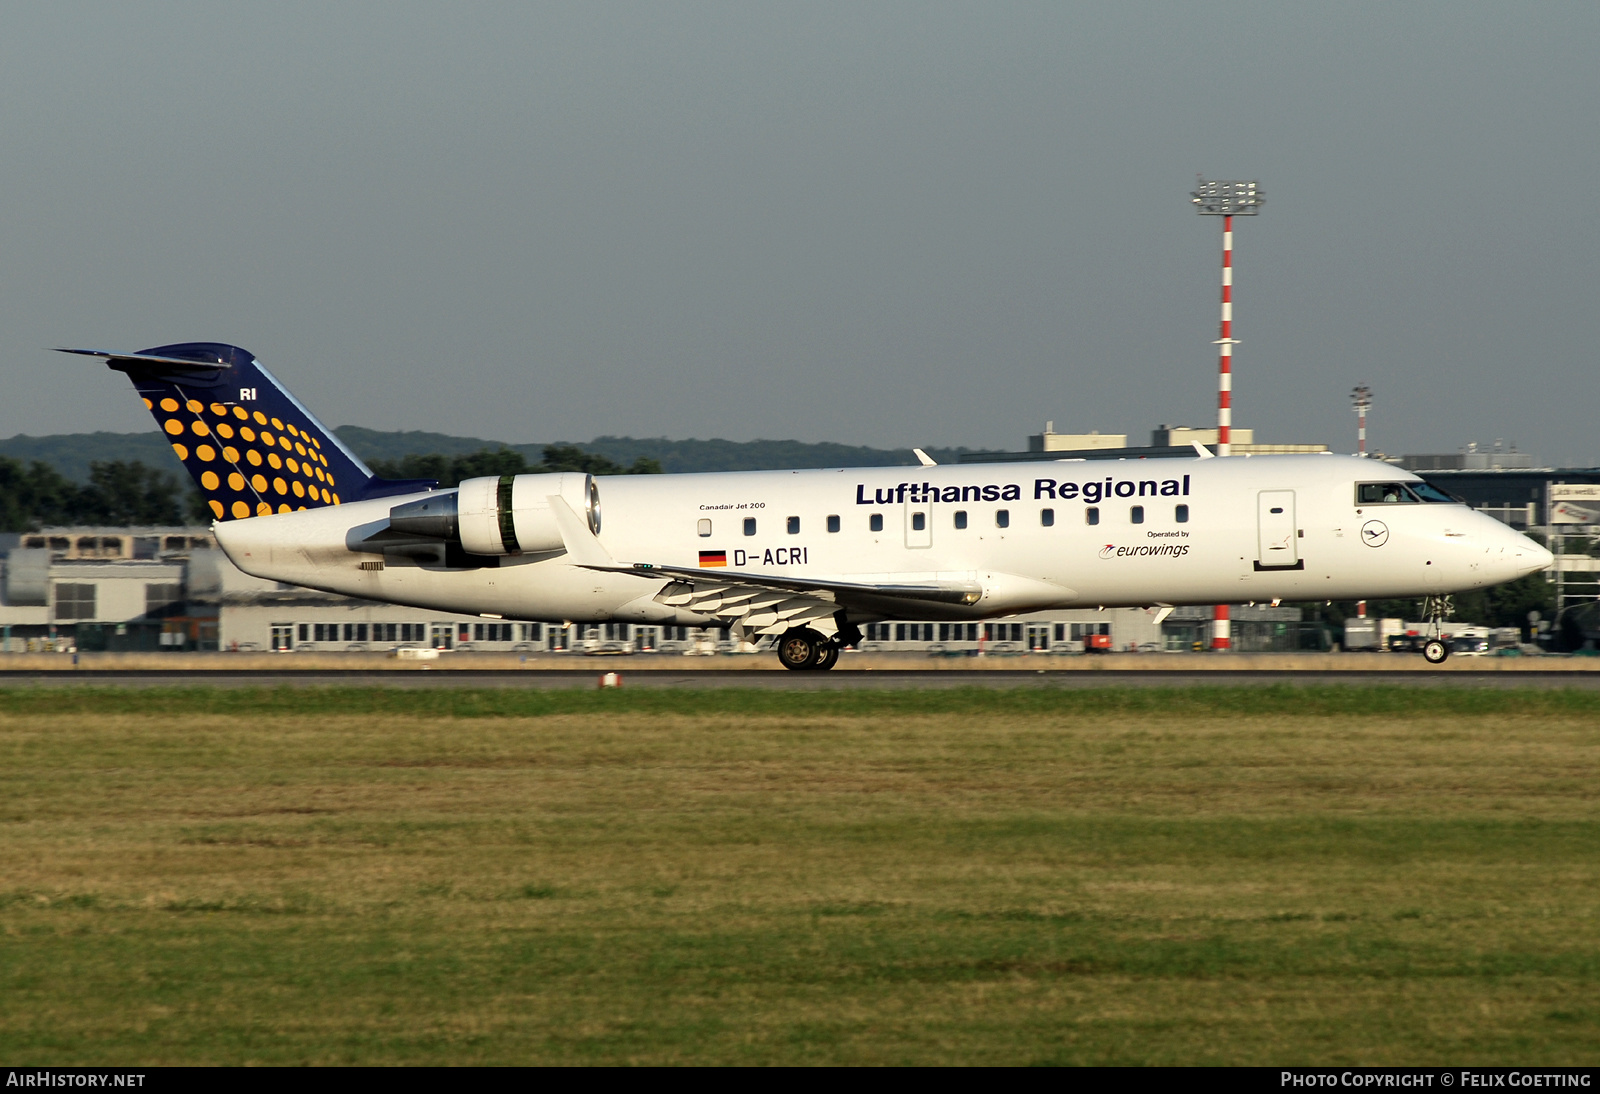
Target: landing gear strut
x,y
803,649
1436,609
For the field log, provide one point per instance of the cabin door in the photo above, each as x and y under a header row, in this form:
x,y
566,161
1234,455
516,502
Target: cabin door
x,y
1277,537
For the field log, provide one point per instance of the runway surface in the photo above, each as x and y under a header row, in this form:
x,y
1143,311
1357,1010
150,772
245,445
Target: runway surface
x,y
780,680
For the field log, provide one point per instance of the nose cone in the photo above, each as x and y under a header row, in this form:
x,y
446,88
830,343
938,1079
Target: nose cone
x,y
1522,554
1536,558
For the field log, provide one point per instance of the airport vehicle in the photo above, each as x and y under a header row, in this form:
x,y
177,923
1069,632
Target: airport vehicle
x,y
805,558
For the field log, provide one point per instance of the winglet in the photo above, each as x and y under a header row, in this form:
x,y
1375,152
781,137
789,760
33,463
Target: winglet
x,y
583,548
924,459
1202,451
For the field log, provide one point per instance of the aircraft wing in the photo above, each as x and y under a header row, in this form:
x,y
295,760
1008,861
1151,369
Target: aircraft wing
x,y
754,604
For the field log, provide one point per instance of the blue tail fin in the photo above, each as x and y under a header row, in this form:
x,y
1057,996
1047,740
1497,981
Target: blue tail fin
x,y
249,445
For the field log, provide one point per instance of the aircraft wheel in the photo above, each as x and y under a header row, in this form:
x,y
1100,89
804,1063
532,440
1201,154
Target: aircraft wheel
x,y
827,657
1435,651
798,649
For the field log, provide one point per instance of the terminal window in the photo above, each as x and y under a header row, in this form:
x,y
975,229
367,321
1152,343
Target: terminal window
x,y
74,601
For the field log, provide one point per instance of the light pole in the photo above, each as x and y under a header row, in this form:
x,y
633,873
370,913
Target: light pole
x,y
1362,397
1226,198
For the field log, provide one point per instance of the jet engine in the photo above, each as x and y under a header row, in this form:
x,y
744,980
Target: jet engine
x,y
505,515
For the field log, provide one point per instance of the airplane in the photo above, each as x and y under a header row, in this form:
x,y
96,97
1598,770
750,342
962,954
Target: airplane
x,y
804,558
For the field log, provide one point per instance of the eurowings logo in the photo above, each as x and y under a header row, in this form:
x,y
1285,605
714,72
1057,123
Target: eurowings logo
x,y
1145,550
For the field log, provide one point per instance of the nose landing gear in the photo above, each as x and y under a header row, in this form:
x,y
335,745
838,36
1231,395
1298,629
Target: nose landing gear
x,y
1436,609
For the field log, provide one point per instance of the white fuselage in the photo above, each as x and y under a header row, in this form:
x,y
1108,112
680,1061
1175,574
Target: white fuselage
x,y
1255,529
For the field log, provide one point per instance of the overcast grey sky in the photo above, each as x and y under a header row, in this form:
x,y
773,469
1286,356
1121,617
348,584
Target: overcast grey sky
x,y
873,223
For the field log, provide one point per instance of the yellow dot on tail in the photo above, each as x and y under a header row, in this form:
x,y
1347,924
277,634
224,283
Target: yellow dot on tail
x,y
206,452
240,509
224,430
241,413
276,424
284,508
216,507
183,453
169,405
330,479
218,409
263,509
316,495
300,448
259,483
254,457
148,405
286,444
247,433
209,480
272,458
293,465
336,499
200,429
236,481
194,406
299,508
318,470
231,454
268,439
299,488
173,426
261,419
280,486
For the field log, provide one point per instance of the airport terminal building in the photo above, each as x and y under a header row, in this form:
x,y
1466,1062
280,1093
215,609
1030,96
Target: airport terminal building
x,y
155,589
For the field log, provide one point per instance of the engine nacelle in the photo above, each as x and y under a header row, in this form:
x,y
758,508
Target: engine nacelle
x,y
504,515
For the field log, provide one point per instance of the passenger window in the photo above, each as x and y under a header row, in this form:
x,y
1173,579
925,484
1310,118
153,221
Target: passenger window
x,y
875,522
1091,515
1136,514
919,522
1002,518
1047,517
749,526
794,526
833,523
703,527
961,518
1181,514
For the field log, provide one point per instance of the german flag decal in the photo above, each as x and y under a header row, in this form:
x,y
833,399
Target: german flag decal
x,y
713,558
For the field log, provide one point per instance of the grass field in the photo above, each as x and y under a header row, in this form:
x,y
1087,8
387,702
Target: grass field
x,y
1263,876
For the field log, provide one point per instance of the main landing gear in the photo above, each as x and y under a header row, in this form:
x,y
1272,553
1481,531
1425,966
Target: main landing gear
x,y
804,649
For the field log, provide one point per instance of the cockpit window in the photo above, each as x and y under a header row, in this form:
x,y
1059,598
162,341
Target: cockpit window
x,y
1383,493
1400,493
1430,493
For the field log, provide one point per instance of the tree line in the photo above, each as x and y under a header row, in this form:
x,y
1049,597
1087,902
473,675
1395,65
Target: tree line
x,y
450,470
123,493
119,493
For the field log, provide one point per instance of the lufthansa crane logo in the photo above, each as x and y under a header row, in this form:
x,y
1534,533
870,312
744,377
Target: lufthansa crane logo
x,y
1374,533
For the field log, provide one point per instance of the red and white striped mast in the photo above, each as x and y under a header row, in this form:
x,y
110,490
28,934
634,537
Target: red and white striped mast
x,y
1226,199
1362,397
